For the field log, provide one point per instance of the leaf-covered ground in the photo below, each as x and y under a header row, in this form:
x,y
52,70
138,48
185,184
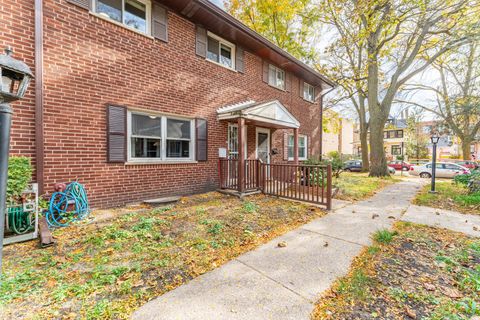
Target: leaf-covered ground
x,y
353,186
107,269
413,272
449,196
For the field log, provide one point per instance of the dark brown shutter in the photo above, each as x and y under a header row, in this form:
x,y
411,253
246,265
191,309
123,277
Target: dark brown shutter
x,y
288,81
302,84
201,42
85,4
160,22
265,71
285,146
201,135
116,134
239,63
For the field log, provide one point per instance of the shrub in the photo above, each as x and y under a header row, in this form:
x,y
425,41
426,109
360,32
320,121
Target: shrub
x,y
19,175
464,179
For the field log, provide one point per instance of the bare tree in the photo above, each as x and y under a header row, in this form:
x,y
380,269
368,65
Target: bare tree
x,y
457,95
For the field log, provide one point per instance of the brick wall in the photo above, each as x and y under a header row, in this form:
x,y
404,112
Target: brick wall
x,y
90,62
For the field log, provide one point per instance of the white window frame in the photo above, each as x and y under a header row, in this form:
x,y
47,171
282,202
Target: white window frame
x,y
221,42
276,70
291,146
307,87
163,152
148,16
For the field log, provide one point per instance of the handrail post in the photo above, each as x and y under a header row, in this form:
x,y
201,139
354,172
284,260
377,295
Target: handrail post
x,y
329,187
220,175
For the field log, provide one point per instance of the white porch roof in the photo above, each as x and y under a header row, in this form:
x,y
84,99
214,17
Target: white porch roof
x,y
272,112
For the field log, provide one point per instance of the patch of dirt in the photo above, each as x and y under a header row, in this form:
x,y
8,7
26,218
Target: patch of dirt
x,y
420,275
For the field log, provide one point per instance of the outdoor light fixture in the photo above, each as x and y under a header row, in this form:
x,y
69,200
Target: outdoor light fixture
x,y
434,138
15,77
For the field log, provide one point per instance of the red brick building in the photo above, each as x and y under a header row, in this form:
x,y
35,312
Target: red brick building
x,y
137,99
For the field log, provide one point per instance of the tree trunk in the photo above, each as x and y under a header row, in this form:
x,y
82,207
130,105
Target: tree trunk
x,y
378,161
364,147
466,142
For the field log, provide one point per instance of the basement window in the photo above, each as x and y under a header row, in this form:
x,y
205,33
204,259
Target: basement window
x,y
133,14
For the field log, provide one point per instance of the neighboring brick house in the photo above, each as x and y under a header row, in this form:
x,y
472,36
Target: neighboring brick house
x,y
128,95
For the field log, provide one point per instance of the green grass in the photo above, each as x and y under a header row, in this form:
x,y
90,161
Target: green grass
x,y
358,186
449,196
384,236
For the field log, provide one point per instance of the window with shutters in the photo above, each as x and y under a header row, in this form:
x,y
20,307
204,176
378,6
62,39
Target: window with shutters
x,y
308,92
220,51
155,137
134,14
302,147
276,77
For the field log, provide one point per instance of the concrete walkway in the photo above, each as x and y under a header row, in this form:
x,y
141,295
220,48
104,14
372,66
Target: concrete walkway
x,y
452,220
284,283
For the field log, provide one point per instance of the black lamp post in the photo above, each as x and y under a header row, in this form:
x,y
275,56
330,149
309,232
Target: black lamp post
x,y
15,77
434,138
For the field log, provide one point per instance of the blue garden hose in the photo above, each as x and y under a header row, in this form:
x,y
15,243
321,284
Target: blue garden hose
x,y
66,207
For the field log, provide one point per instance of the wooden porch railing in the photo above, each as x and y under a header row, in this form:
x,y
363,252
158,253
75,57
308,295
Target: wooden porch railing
x,y
309,183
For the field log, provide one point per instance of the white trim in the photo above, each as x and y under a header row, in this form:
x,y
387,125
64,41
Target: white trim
x,y
226,43
163,151
235,125
267,131
148,17
306,146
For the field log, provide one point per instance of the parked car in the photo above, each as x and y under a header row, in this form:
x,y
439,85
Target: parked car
x,y
443,170
356,166
472,165
353,166
399,165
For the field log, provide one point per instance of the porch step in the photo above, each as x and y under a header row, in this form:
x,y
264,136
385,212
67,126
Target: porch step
x,y
160,201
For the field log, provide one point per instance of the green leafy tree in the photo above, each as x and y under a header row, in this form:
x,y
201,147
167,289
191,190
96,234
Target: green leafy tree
x,y
415,139
287,23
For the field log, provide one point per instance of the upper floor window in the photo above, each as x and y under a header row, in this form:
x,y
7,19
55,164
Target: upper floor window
x,y
134,14
308,92
220,51
276,77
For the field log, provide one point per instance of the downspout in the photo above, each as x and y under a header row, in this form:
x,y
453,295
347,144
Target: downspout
x,y
322,94
39,138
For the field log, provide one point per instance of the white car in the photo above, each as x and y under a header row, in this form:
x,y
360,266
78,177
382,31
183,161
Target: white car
x,y
443,170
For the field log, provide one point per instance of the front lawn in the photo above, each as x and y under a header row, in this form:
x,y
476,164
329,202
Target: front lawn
x,y
413,272
449,196
107,270
358,186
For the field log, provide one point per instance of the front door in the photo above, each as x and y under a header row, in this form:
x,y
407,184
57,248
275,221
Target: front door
x,y
263,145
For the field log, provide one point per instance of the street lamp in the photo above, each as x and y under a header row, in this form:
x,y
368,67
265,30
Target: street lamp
x,y
15,77
434,138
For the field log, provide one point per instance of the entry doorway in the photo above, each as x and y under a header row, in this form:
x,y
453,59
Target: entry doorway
x,y
262,143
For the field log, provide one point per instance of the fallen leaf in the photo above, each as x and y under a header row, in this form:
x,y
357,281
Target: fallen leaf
x,y
451,292
429,286
282,244
375,216
325,244
412,314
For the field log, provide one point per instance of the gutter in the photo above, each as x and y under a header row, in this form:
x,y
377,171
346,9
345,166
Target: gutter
x,y
39,137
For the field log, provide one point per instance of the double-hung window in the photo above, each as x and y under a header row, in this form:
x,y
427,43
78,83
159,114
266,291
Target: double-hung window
x,y
302,147
308,92
154,137
134,14
220,51
276,77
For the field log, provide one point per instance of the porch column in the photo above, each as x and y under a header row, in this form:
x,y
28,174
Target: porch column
x,y
295,145
241,154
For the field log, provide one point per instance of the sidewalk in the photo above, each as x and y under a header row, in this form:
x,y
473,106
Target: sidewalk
x,y
284,283
439,218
